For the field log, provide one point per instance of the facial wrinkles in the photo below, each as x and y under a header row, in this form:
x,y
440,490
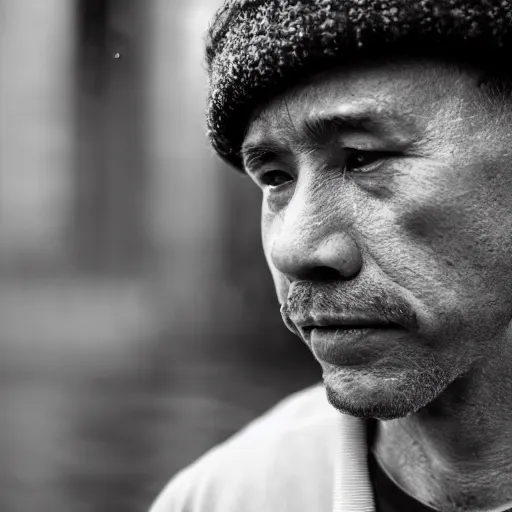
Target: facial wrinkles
x,y
443,133
428,172
332,186
437,230
440,233
447,129
451,198
316,206
446,222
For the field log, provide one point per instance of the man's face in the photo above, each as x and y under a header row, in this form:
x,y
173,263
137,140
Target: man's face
x,y
386,224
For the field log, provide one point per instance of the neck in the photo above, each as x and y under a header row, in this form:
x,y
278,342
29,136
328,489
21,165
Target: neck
x,y
456,453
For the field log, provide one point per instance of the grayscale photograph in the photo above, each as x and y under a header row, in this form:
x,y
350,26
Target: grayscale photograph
x,y
256,255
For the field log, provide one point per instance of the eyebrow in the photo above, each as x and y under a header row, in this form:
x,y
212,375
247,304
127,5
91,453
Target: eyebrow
x,y
257,154
325,128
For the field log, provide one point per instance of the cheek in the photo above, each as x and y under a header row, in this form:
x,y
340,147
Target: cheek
x,y
462,234
269,230
266,231
467,270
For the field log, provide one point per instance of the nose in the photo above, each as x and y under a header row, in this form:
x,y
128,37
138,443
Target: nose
x,y
313,247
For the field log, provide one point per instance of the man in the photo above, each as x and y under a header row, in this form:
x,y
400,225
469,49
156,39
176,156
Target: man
x,y
381,136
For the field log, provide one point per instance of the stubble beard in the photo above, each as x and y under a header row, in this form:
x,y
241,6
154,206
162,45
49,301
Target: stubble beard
x,y
384,394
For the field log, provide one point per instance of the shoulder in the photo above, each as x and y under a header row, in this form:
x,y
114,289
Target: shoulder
x,y
290,444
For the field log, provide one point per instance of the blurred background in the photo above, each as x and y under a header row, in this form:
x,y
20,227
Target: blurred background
x,y
138,321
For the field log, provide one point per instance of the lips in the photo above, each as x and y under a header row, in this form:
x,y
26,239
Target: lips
x,y
351,344
308,329
351,337
341,324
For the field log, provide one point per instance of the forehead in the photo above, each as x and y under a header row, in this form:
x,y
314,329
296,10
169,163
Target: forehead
x,y
400,95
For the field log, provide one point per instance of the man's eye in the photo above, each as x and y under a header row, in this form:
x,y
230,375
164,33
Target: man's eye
x,y
363,161
275,178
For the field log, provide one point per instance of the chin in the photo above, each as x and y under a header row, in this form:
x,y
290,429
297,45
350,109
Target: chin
x,y
383,394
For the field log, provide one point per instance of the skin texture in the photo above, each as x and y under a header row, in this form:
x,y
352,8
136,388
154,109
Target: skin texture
x,y
415,227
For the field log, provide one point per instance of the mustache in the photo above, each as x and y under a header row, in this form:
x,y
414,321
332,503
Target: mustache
x,y
306,298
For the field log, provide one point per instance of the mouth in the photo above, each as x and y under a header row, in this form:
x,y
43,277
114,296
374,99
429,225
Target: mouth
x,y
351,344
308,330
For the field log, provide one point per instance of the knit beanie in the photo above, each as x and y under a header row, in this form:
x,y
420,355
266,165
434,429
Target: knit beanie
x,y
257,48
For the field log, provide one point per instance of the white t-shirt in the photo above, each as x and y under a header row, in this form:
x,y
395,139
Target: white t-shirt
x,y
301,456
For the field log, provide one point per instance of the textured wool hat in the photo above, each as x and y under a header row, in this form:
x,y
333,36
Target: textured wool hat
x,y
256,48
